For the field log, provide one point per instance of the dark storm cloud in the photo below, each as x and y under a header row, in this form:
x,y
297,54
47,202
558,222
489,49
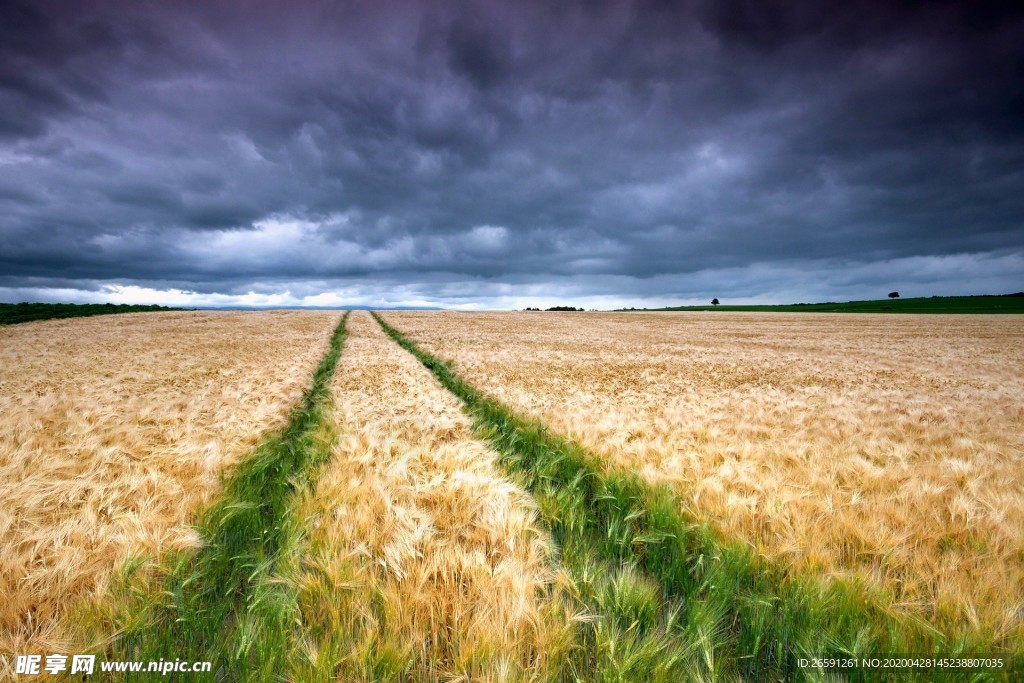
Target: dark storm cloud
x,y
445,151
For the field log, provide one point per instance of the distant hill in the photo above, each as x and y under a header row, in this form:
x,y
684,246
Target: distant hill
x,y
1003,303
27,312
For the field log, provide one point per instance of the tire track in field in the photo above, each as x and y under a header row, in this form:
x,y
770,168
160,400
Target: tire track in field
x,y
742,617
422,562
425,563
221,604
633,629
114,432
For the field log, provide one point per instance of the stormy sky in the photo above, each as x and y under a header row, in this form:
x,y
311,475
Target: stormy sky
x,y
508,154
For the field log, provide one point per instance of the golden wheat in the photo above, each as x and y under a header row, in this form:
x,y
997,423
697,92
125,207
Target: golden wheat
x,y
419,551
884,449
114,429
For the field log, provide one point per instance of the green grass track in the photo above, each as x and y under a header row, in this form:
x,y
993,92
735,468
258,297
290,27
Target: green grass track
x,y
220,604
746,618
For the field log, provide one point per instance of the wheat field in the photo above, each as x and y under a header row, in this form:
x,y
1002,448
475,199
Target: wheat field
x,y
883,450
382,537
114,430
419,549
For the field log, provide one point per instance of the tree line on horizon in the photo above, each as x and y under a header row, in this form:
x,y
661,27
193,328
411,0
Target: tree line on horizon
x,y
24,312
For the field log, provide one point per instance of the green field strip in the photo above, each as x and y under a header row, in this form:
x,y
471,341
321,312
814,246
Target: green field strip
x,y
747,617
221,603
13,314
1000,304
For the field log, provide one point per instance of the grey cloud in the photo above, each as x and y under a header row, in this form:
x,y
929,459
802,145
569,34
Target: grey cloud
x,y
566,144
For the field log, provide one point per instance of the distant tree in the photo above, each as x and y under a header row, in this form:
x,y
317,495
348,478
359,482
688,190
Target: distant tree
x,y
894,295
714,302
